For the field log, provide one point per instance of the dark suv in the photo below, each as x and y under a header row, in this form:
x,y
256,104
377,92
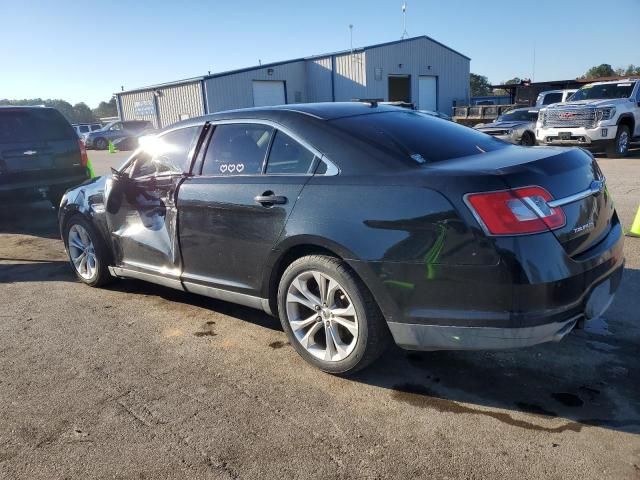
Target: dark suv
x,y
40,154
100,139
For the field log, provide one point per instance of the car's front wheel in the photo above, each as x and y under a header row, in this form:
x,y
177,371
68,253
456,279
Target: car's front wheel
x,y
330,316
620,146
101,143
87,253
528,139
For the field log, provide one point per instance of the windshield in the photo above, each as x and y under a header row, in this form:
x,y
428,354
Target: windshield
x,y
519,116
418,137
603,91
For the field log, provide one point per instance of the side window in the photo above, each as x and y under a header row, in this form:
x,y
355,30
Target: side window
x,y
84,128
288,157
167,154
237,149
116,127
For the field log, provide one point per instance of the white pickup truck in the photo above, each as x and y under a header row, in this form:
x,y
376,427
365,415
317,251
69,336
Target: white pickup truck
x,y
601,116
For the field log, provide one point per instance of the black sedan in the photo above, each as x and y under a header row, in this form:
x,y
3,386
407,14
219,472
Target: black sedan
x,y
356,224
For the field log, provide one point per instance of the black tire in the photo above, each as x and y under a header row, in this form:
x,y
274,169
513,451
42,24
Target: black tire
x,y
102,256
615,149
528,139
101,143
373,333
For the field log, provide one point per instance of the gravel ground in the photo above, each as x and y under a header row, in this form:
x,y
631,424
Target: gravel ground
x,y
139,381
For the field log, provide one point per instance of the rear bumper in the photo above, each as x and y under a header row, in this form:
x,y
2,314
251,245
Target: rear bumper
x,y
535,295
34,190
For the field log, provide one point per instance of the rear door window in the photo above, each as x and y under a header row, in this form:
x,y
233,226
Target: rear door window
x,y
32,125
287,156
237,149
418,138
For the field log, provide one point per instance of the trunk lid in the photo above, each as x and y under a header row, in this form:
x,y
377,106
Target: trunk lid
x,y
565,174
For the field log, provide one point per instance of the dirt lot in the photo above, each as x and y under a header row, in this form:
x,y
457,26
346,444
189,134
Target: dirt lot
x,y
139,381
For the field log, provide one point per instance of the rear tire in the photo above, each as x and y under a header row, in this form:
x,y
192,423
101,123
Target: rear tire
x,y
619,148
101,143
346,312
528,139
88,254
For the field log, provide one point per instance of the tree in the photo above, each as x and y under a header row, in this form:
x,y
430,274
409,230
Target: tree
x,y
603,70
479,85
632,70
513,81
82,113
106,109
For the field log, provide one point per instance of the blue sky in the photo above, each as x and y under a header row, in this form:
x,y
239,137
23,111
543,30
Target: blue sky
x,y
84,51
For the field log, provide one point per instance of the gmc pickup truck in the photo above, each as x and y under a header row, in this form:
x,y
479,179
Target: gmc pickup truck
x,y
601,116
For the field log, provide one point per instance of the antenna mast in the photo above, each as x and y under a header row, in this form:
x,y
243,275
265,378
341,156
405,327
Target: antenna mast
x,y
405,34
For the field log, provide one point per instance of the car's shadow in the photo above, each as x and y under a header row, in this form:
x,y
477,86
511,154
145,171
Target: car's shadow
x,y
591,378
36,219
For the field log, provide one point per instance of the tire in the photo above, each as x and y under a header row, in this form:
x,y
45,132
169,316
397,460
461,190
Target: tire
x,y
100,143
528,139
619,148
95,249
311,321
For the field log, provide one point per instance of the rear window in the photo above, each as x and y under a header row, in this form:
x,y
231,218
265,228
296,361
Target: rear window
x,y
550,98
418,137
34,125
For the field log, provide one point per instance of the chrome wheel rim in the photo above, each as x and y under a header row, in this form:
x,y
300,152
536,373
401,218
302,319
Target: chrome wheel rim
x,y
623,142
322,316
82,252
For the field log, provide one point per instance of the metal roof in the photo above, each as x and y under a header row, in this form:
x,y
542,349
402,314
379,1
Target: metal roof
x,y
283,62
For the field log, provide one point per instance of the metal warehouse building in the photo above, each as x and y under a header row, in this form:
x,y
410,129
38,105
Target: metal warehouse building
x,y
419,70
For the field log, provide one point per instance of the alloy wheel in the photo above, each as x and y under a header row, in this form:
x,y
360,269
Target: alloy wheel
x,y
322,316
82,252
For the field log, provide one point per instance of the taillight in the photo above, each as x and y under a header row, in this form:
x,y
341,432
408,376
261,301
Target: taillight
x,y
84,159
516,212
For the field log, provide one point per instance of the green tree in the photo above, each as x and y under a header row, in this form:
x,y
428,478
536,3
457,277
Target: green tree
x,y
106,109
603,70
82,113
632,70
513,81
479,85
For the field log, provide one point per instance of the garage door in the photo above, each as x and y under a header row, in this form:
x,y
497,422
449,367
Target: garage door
x,y
268,92
427,93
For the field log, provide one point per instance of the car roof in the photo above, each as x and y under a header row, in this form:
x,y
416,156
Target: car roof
x,y
25,107
609,82
285,113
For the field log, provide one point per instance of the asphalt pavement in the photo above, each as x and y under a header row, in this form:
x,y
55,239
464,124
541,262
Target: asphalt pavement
x,y
140,381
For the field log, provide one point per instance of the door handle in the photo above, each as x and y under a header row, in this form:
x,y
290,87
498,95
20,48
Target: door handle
x,y
269,198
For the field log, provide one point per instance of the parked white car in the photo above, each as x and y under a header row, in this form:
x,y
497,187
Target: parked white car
x,y
554,96
601,116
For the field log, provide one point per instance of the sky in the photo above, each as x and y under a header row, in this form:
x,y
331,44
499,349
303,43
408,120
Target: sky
x,y
85,51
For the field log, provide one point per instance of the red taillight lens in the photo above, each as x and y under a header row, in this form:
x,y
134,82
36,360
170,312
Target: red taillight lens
x,y
84,159
516,212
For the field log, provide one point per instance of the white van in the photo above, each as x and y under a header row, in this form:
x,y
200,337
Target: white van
x,y
82,128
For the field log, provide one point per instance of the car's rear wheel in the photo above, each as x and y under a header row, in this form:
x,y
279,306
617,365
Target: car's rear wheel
x,y
329,315
101,143
87,252
528,139
620,146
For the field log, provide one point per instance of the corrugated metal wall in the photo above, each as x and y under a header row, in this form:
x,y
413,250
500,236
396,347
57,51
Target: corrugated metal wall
x,y
171,102
180,100
318,73
236,90
419,57
362,74
351,77
129,100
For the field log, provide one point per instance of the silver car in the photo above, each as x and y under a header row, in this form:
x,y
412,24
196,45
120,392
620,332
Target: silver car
x,y
516,126
99,139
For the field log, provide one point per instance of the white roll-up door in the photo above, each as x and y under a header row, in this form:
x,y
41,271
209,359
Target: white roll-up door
x,y
427,93
268,92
